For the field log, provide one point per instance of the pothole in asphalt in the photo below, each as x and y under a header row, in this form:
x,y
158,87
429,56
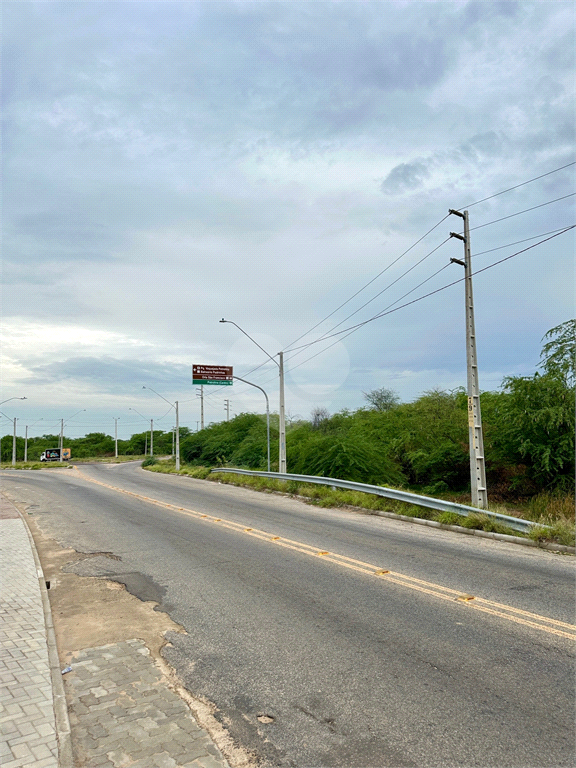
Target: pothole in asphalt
x,y
265,718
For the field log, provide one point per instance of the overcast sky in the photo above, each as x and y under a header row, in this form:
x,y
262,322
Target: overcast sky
x,y
167,164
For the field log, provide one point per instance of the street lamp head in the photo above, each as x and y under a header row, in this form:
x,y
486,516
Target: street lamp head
x,y
222,321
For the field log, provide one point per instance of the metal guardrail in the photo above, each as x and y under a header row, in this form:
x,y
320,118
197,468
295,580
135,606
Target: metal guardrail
x,y
391,493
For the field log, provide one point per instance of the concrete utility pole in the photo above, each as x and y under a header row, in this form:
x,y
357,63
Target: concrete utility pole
x,y
281,417
177,439
475,437
14,444
151,437
200,394
227,409
116,437
61,435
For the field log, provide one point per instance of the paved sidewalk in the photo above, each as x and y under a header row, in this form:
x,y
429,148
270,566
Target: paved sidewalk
x,y
33,720
124,714
121,712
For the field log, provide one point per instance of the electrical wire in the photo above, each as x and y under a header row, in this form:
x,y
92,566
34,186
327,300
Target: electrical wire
x,y
526,210
290,347
376,296
517,186
525,240
549,202
369,282
388,311
529,181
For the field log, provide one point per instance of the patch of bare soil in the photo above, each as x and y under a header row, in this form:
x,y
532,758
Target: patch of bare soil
x,y
91,612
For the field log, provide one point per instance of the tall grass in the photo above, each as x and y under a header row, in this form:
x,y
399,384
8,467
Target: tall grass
x,y
546,509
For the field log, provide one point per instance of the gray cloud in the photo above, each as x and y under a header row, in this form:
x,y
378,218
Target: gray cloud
x,y
167,163
405,177
111,374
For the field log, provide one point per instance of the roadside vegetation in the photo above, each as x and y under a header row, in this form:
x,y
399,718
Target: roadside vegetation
x,y
420,446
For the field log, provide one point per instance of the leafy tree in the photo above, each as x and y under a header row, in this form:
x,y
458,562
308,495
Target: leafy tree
x,y
347,458
382,399
240,440
536,428
558,356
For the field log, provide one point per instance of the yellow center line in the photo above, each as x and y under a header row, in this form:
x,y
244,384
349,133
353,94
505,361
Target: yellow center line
x,y
508,612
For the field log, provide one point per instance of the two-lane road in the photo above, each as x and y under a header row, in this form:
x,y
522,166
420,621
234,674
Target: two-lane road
x,y
325,638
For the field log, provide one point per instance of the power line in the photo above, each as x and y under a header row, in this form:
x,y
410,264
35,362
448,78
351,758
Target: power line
x,y
525,240
376,296
511,216
534,207
388,311
324,337
517,186
529,181
369,282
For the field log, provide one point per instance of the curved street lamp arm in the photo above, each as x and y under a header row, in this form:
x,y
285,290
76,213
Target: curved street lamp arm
x,y
251,339
159,395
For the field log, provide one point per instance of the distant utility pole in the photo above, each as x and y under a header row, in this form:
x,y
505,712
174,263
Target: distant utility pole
x,y
14,444
116,437
201,405
476,440
177,438
61,434
227,408
151,437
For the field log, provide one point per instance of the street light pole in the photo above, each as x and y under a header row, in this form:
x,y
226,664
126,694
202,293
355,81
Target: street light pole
x,y
13,398
14,444
62,422
281,412
281,417
26,440
177,439
267,415
115,437
151,432
177,424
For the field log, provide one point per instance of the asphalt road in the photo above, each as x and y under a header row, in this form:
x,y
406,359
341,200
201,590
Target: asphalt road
x,y
309,657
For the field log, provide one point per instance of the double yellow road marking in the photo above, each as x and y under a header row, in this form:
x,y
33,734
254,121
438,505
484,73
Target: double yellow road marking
x,y
516,615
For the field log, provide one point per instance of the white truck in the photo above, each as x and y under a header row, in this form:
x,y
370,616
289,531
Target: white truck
x,y
55,454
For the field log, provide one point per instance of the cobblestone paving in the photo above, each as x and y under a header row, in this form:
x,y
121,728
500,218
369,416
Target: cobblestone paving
x,y
26,702
123,715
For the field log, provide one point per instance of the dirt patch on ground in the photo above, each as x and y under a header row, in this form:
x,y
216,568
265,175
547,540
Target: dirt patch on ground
x,y
88,611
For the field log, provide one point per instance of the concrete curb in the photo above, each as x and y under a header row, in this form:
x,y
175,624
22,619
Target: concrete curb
x,y
474,532
420,521
62,722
